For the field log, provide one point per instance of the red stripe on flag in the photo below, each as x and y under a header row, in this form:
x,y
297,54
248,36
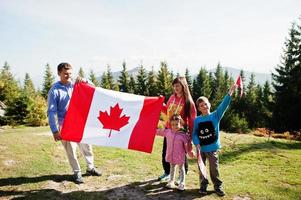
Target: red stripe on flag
x,y
77,113
143,134
240,85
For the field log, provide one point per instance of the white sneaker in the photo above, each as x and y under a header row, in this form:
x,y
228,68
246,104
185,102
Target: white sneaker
x,y
170,185
181,187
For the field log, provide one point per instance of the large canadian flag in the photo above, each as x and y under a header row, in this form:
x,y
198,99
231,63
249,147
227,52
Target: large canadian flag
x,y
109,118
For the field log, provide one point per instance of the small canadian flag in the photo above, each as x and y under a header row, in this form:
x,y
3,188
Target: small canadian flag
x,y
240,85
109,118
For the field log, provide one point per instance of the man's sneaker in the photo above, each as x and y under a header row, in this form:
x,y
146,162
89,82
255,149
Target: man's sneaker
x,y
181,187
93,172
203,191
220,192
164,177
170,185
78,179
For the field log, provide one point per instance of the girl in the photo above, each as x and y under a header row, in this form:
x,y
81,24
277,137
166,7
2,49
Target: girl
x,y
177,147
181,103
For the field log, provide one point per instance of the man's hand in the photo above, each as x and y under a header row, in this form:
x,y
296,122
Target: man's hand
x,y
80,79
57,136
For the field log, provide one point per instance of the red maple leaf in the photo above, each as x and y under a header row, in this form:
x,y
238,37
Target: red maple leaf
x,y
113,121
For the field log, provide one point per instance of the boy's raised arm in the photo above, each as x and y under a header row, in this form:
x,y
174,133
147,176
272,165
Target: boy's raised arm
x,y
221,109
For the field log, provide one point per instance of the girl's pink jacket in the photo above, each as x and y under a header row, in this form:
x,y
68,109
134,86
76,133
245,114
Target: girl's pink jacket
x,y
177,145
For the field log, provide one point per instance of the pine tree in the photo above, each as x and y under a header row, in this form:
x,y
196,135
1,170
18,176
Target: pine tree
x,y
132,85
104,81
217,90
152,83
267,95
287,84
81,73
110,78
141,81
227,82
9,94
124,79
251,89
48,81
93,79
201,85
260,111
9,89
28,86
188,79
164,81
115,86
251,98
107,80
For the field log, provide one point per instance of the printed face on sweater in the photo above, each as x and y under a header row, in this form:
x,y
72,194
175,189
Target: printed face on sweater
x,y
206,133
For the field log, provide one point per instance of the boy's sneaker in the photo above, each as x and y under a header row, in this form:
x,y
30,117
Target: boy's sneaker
x,y
220,192
93,172
78,179
164,177
181,187
170,185
203,191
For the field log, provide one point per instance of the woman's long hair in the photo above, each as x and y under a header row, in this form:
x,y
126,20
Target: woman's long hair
x,y
186,93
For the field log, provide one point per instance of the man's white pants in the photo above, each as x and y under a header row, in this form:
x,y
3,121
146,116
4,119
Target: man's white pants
x,y
86,151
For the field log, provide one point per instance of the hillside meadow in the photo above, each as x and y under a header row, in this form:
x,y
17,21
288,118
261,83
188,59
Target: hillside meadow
x,y
33,166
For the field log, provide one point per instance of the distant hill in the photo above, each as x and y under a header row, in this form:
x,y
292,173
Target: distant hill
x,y
260,78
133,72
233,72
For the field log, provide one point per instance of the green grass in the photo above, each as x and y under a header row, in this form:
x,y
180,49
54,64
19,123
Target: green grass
x,y
33,166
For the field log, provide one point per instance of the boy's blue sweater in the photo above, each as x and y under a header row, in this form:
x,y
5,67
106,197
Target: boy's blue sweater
x,y
206,128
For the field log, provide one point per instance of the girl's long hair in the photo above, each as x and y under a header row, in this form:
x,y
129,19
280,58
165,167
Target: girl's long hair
x,y
186,93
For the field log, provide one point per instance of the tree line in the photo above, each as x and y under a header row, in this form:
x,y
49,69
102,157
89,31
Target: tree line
x,y
274,105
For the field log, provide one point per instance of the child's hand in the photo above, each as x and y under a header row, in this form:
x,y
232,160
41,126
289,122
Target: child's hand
x,y
191,154
198,147
232,89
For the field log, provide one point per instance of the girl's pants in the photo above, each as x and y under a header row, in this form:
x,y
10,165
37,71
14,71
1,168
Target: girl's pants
x,y
173,168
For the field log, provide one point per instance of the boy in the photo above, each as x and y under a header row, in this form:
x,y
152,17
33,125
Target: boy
x,y
206,138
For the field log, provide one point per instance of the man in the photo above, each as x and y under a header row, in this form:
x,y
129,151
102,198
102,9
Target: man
x,y
59,97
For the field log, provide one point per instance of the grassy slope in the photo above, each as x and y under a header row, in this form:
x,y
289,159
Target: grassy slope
x,y
33,166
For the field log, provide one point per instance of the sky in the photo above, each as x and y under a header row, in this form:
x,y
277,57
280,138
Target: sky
x,y
92,34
